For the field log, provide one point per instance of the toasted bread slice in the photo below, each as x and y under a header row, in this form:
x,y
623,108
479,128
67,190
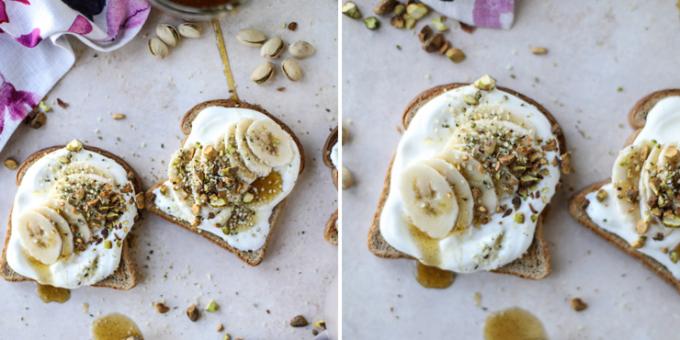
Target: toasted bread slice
x,y
252,258
331,231
535,264
125,277
637,118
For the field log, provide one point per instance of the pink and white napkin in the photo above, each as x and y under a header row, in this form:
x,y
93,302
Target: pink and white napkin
x,y
34,53
479,13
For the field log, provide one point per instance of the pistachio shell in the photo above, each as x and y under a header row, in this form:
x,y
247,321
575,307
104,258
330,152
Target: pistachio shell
x,y
291,69
189,30
251,37
263,73
273,48
168,34
301,49
158,48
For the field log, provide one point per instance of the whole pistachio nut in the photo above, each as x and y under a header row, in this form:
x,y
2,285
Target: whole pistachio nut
x,y
372,23
385,7
434,43
350,9
251,37
301,49
409,22
168,34
273,48
291,68
263,73
189,30
158,48
425,33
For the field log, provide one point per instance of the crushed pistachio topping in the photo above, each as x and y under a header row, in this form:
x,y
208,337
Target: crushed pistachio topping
x,y
486,83
74,146
601,195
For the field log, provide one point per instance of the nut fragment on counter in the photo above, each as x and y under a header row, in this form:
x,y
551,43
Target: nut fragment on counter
x,y
291,68
192,313
417,10
263,73
301,49
455,54
189,30
439,24
161,307
347,178
118,116
434,43
37,120
372,23
251,37
385,7
299,321
158,48
350,9
168,34
539,50
212,307
292,26
11,164
578,305
272,48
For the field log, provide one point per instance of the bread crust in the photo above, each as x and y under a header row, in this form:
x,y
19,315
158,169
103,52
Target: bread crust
x,y
252,258
125,276
331,230
578,203
538,250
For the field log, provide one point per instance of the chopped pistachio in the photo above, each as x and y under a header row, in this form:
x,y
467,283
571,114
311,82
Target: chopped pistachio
x,y
161,307
534,218
385,7
601,195
320,324
220,327
486,83
248,197
398,21
108,244
118,116
417,10
74,146
399,9
639,243
299,321
372,23
641,227
192,313
539,50
42,106
578,305
212,307
439,24
519,218
455,54
470,99
409,22
11,164
674,256
350,9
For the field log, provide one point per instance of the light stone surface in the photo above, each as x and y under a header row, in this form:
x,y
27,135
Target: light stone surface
x,y
594,48
255,303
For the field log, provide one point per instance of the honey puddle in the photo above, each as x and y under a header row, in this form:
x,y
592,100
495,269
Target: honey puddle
x,y
265,189
115,326
433,277
513,324
53,294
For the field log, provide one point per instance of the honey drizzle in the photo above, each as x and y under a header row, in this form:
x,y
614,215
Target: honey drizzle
x,y
433,277
513,324
264,189
429,247
53,294
115,326
427,273
221,46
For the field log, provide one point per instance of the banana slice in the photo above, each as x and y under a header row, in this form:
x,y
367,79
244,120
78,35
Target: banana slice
x,y
62,226
428,200
461,190
269,142
234,158
39,237
626,174
252,162
74,218
476,176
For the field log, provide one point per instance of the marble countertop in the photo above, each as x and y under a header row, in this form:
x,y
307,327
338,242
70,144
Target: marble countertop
x,y
175,265
594,48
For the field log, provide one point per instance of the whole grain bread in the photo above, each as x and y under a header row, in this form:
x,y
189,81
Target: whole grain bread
x,y
535,263
331,230
125,276
252,258
637,118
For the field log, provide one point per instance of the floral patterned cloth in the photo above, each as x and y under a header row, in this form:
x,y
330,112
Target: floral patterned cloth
x,y
34,55
480,13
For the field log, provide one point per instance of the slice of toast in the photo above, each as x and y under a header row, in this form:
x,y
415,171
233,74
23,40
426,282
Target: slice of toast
x,y
125,277
535,263
252,258
331,230
578,203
